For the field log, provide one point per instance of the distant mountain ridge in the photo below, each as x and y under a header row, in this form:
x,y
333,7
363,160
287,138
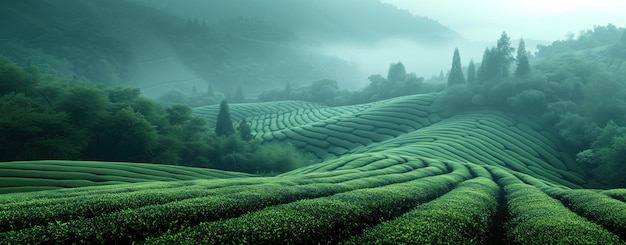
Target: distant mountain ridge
x,y
363,19
148,44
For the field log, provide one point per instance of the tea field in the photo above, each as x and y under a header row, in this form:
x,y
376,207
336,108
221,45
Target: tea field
x,y
391,172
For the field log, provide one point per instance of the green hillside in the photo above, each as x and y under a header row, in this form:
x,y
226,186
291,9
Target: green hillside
x,y
29,176
391,172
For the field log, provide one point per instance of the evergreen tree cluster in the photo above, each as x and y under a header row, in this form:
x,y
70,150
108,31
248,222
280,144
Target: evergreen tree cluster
x,y
582,95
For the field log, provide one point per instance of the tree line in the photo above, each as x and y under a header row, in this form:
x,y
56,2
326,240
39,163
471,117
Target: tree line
x,y
45,117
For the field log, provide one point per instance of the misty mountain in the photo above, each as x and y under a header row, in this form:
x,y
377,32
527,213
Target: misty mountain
x,y
162,45
364,20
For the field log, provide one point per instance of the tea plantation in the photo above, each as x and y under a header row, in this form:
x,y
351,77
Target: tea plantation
x,y
391,172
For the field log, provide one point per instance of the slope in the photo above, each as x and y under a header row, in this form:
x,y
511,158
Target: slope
x,y
395,171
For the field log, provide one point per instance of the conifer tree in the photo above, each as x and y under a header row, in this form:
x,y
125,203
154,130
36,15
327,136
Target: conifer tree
x,y
471,73
504,54
456,72
523,66
244,130
487,69
224,125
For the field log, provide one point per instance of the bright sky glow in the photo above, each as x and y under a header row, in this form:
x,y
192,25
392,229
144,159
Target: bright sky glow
x,y
545,20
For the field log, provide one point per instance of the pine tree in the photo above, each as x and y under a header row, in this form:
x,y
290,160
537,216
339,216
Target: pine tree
x,y
224,125
504,54
456,72
487,69
244,130
523,66
471,73
623,39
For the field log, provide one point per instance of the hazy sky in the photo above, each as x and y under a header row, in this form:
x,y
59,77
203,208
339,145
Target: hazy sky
x,y
545,20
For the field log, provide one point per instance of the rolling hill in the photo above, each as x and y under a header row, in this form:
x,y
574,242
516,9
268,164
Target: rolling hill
x,y
390,172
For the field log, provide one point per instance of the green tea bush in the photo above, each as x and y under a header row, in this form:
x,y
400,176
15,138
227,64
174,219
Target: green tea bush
x,y
536,218
323,220
461,216
595,207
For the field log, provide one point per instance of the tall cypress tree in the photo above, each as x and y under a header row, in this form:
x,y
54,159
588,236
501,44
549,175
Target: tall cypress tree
x,y
224,125
485,71
523,66
471,73
456,72
504,54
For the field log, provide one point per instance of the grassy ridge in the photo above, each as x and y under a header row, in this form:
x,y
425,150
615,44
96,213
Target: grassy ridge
x,y
47,175
461,216
536,218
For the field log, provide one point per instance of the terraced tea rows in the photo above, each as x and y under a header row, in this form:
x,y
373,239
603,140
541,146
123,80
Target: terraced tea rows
x,y
393,172
49,175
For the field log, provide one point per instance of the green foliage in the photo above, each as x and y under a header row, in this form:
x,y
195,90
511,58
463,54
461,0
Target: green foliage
x,y
224,125
610,151
178,114
13,78
529,101
594,206
78,120
536,218
306,221
497,60
523,65
244,130
29,132
396,72
454,99
461,216
86,105
577,130
456,72
471,73
587,39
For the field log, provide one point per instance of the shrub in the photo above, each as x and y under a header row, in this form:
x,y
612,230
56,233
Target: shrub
x,y
528,101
